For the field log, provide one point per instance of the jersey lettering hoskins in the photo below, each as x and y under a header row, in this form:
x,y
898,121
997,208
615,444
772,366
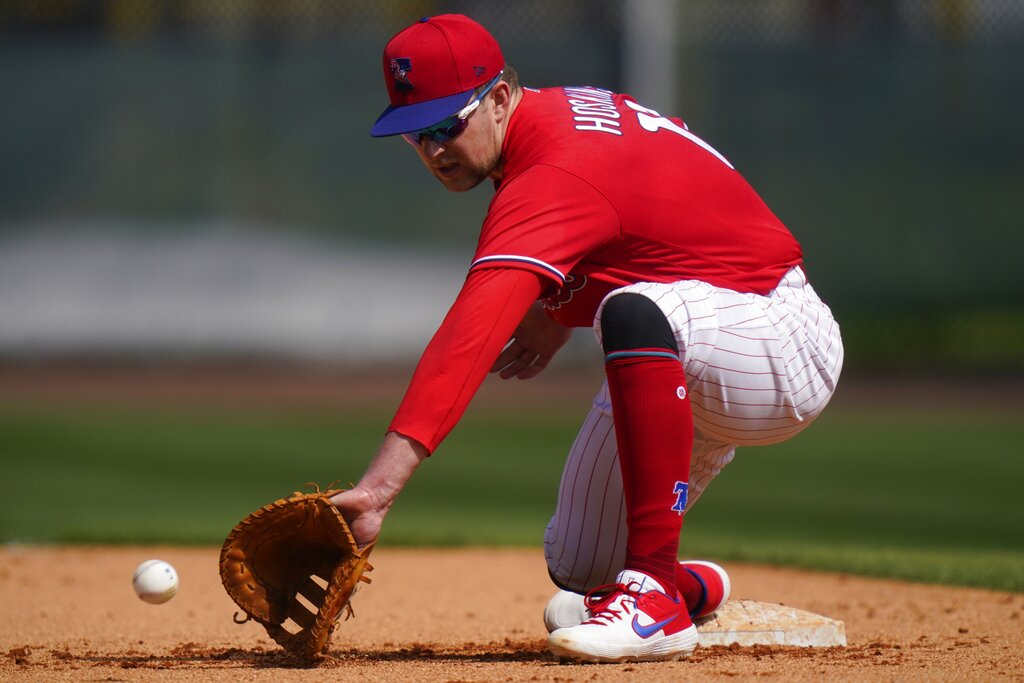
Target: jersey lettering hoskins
x,y
569,206
594,109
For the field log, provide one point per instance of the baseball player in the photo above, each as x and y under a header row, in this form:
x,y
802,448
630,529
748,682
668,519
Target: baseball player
x,y
605,214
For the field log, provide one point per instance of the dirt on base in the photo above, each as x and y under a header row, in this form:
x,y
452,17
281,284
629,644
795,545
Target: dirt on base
x,y
465,615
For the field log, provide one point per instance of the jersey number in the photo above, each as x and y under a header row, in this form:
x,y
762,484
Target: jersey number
x,y
653,121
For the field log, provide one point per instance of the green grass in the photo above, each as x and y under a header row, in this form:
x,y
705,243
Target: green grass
x,y
927,496
909,494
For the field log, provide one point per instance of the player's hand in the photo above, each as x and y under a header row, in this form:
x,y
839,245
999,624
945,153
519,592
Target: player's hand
x,y
534,343
362,514
365,505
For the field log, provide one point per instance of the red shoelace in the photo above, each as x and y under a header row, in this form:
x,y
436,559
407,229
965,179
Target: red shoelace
x,y
599,602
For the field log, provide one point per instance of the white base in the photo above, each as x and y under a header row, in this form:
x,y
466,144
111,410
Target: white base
x,y
749,622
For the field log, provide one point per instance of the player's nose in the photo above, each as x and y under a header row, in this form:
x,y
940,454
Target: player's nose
x,y
431,148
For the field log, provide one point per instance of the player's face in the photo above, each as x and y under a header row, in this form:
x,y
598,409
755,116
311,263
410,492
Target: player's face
x,y
467,159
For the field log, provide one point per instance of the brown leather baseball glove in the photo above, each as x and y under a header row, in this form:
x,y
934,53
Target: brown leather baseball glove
x,y
294,547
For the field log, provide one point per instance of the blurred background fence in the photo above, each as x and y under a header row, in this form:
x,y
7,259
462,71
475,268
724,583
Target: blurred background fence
x,y
195,178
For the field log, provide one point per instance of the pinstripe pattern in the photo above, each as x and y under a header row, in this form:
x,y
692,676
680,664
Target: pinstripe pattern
x,y
759,369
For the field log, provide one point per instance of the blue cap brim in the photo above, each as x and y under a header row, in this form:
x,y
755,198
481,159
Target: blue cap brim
x,y
414,117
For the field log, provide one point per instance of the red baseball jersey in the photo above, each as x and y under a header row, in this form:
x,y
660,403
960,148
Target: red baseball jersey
x,y
599,192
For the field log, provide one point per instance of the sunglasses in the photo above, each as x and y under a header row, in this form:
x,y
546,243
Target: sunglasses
x,y
452,126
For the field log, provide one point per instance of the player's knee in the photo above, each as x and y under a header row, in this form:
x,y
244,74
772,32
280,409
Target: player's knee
x,y
562,581
632,321
578,582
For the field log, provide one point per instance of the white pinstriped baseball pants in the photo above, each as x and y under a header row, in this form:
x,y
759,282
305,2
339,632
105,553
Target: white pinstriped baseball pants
x,y
759,369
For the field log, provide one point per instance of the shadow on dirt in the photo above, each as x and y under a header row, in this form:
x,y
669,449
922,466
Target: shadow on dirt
x,y
196,656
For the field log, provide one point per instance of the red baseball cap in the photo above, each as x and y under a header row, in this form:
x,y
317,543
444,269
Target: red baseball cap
x,y
431,70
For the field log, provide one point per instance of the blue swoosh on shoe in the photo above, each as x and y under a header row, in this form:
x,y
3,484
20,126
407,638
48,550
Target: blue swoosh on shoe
x,y
648,631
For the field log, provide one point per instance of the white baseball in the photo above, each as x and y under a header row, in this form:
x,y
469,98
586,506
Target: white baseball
x,y
155,582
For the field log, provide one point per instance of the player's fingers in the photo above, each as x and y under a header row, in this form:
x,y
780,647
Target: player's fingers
x,y
534,368
530,372
511,353
526,358
512,370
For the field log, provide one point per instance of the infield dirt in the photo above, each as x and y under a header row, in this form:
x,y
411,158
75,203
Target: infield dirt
x,y
465,615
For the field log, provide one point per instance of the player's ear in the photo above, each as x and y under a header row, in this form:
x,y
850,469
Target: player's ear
x,y
501,95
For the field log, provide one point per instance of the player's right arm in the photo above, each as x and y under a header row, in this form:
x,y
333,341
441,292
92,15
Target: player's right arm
x,y
539,225
491,305
365,506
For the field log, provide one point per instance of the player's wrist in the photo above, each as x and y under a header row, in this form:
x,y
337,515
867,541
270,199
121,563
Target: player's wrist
x,y
396,460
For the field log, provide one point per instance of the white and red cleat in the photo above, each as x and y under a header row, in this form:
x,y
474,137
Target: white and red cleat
x,y
565,609
716,585
636,621
569,609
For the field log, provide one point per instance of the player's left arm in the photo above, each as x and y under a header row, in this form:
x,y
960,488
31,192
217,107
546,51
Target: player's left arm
x,y
534,343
